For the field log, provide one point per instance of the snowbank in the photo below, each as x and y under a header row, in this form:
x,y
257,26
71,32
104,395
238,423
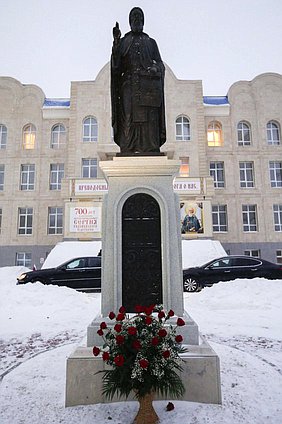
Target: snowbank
x,y
194,252
199,252
66,250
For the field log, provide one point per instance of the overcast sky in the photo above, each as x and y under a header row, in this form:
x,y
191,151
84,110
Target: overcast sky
x,y
53,42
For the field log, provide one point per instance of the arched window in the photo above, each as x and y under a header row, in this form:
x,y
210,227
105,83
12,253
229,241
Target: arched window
x,y
29,135
58,136
3,136
243,134
273,132
215,134
182,128
90,129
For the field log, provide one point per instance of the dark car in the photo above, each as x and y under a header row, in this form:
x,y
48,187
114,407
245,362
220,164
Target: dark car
x,y
229,268
82,274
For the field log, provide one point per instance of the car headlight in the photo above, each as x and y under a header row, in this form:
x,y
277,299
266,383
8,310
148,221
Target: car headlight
x,y
22,277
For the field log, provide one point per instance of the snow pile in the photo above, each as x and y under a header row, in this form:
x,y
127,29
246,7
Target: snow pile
x,y
194,252
251,307
32,308
199,252
66,250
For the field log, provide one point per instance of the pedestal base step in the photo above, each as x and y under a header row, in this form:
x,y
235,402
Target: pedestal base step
x,y
200,376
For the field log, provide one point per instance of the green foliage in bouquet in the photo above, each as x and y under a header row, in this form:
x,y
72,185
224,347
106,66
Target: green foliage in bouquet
x,y
143,351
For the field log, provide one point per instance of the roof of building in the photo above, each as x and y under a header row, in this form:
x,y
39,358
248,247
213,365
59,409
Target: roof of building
x,y
207,100
56,102
215,100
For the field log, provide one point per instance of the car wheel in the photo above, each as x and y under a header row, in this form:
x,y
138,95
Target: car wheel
x,y
191,285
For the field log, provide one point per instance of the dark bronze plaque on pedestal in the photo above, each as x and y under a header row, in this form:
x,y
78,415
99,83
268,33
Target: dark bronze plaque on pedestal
x,y
141,252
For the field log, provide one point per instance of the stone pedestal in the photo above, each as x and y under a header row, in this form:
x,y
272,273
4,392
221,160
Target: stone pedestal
x,y
152,176
200,376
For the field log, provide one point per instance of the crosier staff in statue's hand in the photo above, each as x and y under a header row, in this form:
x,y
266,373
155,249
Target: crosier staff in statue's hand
x,y
115,94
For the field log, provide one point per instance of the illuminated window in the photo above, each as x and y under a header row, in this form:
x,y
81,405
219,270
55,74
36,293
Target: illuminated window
x,y
58,136
182,128
3,136
273,133
244,134
215,134
90,129
29,133
184,167
55,220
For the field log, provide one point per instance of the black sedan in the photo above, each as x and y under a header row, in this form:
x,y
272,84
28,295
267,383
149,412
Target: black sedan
x,y
82,274
229,268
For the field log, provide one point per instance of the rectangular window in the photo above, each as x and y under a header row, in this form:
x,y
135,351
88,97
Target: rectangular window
x,y
27,177
56,175
2,173
23,259
0,219
246,174
89,168
25,221
253,253
217,172
275,170
3,136
219,218
277,211
184,167
55,220
249,218
279,256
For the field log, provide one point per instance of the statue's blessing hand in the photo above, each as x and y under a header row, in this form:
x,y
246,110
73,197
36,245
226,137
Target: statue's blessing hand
x,y
116,31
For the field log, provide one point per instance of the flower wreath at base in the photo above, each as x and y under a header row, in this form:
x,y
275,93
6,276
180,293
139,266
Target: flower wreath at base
x,y
143,351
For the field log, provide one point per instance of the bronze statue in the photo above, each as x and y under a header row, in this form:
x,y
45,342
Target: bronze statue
x,y
137,89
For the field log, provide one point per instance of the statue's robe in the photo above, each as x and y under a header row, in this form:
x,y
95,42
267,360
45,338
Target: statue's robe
x,y
138,110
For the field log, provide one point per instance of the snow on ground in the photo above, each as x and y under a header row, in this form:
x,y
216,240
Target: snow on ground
x,y
34,317
41,325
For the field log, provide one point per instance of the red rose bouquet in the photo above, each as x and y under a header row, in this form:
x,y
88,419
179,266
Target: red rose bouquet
x,y
143,351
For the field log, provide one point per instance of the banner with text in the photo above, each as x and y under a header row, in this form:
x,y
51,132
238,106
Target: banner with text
x,y
85,219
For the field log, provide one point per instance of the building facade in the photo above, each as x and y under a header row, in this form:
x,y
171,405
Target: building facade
x,y
229,149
